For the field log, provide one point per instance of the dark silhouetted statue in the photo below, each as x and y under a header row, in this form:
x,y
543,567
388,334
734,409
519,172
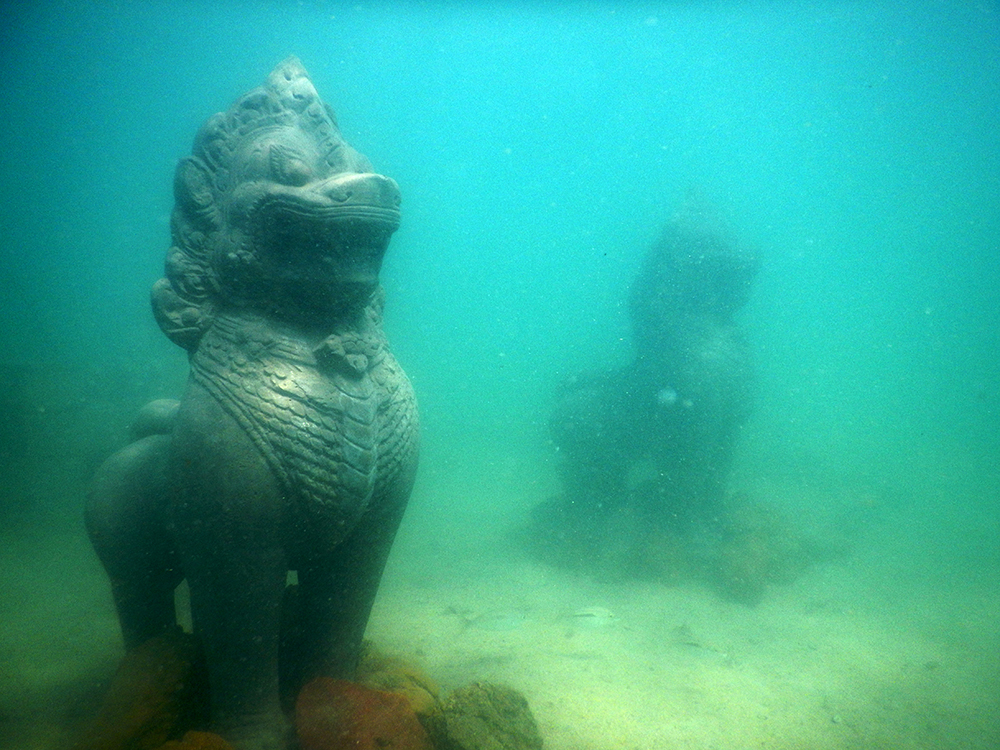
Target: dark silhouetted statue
x,y
294,447
645,449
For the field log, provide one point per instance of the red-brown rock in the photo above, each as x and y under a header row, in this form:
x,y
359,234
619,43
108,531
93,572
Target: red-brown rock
x,y
339,715
160,689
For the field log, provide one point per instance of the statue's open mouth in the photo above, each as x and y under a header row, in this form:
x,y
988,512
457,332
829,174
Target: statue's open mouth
x,y
330,233
363,197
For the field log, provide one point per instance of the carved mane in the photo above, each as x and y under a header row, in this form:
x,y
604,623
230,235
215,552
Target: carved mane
x,y
186,300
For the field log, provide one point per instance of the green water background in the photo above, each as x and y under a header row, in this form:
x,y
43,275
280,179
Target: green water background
x,y
539,149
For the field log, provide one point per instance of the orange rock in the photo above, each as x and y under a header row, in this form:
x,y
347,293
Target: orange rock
x,y
158,691
392,674
339,715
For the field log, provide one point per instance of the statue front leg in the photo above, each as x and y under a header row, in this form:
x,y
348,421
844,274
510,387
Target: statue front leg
x,y
337,590
227,515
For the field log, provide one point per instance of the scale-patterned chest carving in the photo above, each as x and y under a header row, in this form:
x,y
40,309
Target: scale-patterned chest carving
x,y
295,444
272,285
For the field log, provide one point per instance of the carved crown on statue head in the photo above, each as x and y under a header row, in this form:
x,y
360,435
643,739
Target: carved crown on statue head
x,y
186,299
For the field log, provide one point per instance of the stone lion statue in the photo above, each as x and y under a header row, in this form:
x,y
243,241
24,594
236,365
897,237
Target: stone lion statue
x,y
645,449
294,447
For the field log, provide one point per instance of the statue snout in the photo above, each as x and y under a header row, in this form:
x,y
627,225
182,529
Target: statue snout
x,y
364,196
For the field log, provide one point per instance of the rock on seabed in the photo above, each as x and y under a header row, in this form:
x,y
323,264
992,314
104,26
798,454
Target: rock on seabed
x,y
339,715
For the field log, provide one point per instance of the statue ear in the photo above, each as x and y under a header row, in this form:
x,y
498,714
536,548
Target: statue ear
x,y
183,320
193,186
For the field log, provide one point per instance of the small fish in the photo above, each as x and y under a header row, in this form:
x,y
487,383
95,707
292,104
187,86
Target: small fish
x,y
683,635
591,618
497,621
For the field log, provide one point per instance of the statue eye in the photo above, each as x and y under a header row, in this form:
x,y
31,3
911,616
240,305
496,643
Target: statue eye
x,y
288,168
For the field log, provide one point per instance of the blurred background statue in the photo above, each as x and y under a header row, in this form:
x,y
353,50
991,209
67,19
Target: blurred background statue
x,y
645,450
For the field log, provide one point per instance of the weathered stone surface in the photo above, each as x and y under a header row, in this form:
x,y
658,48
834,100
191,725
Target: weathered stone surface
x,y
395,675
341,715
295,444
484,716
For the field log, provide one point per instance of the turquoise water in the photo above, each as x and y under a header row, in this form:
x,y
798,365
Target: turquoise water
x,y
539,149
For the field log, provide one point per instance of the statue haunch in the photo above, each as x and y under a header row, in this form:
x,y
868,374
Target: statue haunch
x,y
294,446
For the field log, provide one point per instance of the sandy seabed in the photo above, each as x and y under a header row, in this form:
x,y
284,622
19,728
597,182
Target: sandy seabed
x,y
822,663
842,658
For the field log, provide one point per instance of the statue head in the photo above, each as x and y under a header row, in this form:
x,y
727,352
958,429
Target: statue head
x,y
697,268
274,213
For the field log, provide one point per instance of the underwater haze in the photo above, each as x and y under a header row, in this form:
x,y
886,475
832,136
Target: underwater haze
x,y
540,148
